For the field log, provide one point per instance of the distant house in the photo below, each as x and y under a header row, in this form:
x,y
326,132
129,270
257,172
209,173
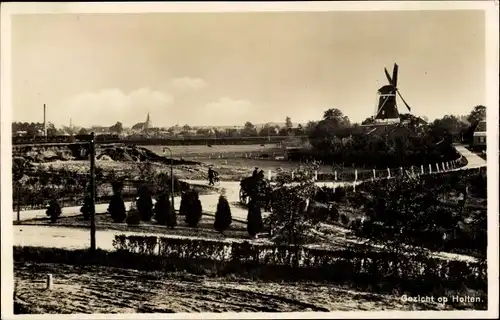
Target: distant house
x,y
479,136
99,130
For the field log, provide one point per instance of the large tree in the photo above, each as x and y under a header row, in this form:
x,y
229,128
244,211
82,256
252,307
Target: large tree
x,y
249,130
336,118
477,114
51,129
449,124
83,131
117,127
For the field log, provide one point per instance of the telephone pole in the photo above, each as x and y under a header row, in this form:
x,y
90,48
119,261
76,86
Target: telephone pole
x,y
44,120
171,175
92,192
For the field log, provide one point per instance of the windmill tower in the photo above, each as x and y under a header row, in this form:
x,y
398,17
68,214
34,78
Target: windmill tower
x,y
387,110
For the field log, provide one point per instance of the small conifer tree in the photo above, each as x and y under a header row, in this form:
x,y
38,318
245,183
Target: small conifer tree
x,y
145,204
116,206
194,213
223,217
54,210
254,219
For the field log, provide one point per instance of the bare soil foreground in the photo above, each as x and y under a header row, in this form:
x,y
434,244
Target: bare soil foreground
x,y
93,289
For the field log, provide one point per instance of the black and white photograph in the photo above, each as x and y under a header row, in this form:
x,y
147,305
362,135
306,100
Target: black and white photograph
x,y
309,159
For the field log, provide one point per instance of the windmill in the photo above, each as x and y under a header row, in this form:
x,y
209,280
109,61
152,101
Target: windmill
x,y
387,110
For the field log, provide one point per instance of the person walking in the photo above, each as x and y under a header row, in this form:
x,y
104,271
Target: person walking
x,y
255,172
210,176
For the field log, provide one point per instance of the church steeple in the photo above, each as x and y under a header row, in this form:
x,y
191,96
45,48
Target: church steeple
x,y
147,124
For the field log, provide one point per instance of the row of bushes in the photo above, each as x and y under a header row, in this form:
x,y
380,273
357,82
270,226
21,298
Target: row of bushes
x,y
377,150
162,210
341,264
342,271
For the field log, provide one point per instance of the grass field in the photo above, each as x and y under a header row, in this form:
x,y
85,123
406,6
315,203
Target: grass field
x,y
231,161
98,289
190,152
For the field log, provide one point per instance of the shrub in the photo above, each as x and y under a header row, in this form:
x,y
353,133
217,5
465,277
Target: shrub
x,y
295,211
193,216
164,212
254,219
223,217
161,207
334,214
145,204
133,217
54,210
86,209
185,202
356,225
117,209
344,219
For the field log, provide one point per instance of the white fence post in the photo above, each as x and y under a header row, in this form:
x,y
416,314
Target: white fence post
x,y
430,168
437,167
422,168
374,174
49,281
442,166
388,173
355,174
269,174
315,175
401,170
335,175
293,176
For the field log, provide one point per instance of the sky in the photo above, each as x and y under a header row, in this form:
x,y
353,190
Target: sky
x,y
229,68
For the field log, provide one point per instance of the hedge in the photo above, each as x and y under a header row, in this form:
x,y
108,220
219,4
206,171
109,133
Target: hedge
x,y
343,263
371,271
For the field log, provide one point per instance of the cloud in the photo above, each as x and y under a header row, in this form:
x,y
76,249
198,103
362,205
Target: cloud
x,y
227,111
108,106
187,83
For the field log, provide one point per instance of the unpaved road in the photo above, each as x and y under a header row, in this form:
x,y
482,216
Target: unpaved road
x,y
109,290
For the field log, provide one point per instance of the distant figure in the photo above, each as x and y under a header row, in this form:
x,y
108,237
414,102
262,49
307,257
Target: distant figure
x,y
255,172
211,177
261,175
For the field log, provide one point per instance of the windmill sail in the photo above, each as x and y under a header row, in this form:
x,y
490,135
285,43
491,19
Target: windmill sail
x,y
387,108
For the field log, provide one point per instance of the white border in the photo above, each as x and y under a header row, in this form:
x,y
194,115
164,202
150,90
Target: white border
x,y
492,84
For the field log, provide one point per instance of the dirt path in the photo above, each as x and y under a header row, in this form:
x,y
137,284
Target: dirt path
x,y
473,160
111,290
209,203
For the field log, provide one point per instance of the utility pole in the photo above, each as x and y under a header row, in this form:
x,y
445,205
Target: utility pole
x,y
45,121
92,192
171,174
